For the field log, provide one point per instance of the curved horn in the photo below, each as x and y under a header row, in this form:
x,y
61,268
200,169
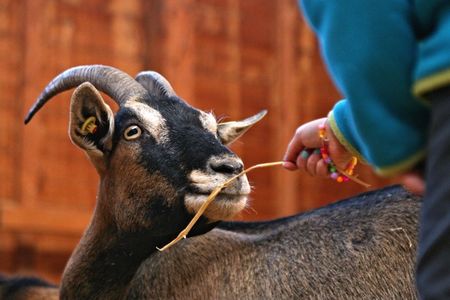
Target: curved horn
x,y
155,84
115,83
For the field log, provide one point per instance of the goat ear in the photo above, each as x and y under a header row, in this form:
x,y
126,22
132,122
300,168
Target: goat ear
x,y
91,123
230,131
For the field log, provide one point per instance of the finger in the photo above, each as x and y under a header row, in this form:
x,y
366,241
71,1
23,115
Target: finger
x,y
289,166
302,158
306,136
322,168
310,134
311,164
294,147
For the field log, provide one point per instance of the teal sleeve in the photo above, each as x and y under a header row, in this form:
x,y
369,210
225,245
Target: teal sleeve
x,y
370,48
433,63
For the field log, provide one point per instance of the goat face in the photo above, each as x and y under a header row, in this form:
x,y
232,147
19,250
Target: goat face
x,y
158,157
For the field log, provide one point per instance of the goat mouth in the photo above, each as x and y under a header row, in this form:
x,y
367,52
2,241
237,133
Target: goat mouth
x,y
220,196
224,207
234,191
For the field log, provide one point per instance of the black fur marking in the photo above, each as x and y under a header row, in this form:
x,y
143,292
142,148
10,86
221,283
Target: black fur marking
x,y
189,148
185,132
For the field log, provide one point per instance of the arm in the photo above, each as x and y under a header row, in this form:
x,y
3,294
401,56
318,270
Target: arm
x,y
369,47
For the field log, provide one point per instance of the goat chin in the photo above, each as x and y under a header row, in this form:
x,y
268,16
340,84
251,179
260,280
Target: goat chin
x,y
224,206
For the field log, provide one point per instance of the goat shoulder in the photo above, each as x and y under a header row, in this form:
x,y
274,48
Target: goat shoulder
x,y
360,248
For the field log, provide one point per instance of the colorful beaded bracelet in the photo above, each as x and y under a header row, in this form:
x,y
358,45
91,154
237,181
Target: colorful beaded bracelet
x,y
334,172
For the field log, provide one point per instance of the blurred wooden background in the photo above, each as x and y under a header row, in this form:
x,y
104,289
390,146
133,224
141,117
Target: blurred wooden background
x,y
229,56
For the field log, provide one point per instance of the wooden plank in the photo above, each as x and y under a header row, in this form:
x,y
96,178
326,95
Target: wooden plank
x,y
12,51
284,97
127,35
179,46
43,221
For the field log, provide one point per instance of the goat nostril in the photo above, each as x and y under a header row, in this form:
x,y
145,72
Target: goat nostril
x,y
227,167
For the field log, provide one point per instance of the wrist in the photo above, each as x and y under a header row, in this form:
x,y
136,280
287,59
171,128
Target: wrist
x,y
338,152
341,142
336,171
339,158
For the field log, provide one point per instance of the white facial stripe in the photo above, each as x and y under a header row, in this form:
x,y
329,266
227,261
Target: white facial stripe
x,y
151,119
208,121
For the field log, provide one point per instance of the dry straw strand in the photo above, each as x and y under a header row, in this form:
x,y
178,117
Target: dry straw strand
x,y
183,234
211,197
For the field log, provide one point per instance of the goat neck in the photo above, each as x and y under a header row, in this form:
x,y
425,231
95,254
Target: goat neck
x,y
107,258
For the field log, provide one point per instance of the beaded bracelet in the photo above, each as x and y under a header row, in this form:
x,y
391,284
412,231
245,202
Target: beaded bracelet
x,y
335,174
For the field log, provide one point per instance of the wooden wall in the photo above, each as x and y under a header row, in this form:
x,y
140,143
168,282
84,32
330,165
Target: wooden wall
x,y
229,56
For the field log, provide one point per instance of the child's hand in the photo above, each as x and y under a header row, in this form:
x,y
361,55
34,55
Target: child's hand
x,y
300,152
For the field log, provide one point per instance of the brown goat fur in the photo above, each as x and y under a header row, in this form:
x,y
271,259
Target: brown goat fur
x,y
359,248
158,158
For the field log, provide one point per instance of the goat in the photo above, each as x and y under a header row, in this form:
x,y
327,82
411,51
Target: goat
x,y
158,159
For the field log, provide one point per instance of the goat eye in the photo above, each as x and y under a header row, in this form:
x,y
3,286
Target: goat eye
x,y
132,132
